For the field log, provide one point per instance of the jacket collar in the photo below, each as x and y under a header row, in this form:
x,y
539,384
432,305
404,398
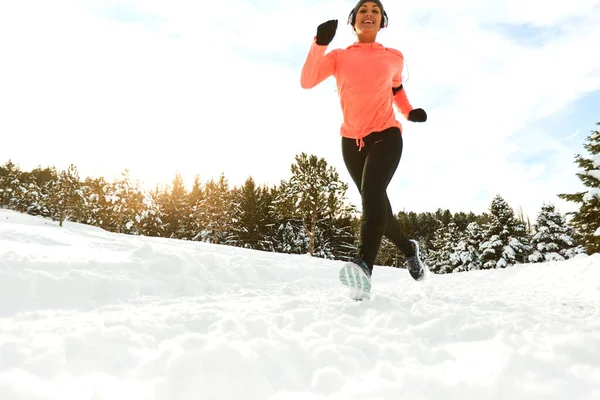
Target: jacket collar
x,y
359,45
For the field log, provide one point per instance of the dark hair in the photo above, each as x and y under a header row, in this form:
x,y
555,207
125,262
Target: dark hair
x,y
352,15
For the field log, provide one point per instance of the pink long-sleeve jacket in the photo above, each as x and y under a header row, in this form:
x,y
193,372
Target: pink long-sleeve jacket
x,y
365,74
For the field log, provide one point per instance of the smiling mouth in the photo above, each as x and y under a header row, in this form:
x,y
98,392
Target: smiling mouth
x,y
368,22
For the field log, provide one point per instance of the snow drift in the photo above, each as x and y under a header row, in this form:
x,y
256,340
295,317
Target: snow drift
x,y
88,314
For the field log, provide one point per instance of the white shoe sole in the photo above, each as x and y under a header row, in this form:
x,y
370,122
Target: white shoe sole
x,y
359,284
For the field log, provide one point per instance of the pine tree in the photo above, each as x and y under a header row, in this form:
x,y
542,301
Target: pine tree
x,y
175,210
444,216
124,203
29,198
466,256
445,243
249,219
66,195
340,236
95,209
269,226
41,179
525,220
150,219
9,183
291,238
462,220
215,212
553,239
137,210
25,191
314,192
195,199
506,241
388,254
587,219
27,195
427,224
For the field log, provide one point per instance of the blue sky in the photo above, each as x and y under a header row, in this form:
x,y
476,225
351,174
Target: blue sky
x,y
124,12
511,89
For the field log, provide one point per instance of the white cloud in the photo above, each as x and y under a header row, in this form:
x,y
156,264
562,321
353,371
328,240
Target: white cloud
x,y
492,88
200,91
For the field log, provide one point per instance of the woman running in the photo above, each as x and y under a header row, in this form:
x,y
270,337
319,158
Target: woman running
x,y
369,82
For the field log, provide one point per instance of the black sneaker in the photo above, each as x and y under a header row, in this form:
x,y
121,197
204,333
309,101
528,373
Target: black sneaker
x,y
414,264
356,275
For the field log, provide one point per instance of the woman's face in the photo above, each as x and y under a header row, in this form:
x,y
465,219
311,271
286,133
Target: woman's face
x,y
368,18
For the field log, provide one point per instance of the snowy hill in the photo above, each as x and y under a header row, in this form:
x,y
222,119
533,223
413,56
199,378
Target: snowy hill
x,y
88,314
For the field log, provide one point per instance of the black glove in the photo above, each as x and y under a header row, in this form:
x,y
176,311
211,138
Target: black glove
x,y
417,115
326,32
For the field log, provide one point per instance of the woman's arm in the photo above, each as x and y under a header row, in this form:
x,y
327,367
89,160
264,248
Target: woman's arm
x,y
400,97
318,66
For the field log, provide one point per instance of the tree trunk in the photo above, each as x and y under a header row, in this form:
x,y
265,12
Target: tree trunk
x,y
313,229
310,233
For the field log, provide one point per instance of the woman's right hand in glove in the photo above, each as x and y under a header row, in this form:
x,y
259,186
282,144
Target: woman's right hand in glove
x,y
326,32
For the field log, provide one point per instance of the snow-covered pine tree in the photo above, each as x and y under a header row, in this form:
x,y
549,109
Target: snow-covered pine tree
x,y
66,195
95,209
29,198
506,242
195,199
26,191
215,212
314,192
291,238
9,183
150,219
424,231
136,205
267,198
586,220
175,210
337,238
388,254
324,241
444,216
466,256
553,238
42,179
446,240
124,202
26,194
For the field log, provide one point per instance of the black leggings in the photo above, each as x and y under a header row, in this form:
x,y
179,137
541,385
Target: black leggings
x,y
372,169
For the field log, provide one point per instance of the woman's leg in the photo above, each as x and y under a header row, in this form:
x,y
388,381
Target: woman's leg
x,y
372,169
393,231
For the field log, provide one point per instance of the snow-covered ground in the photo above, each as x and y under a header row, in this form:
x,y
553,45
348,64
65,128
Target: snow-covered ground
x,y
90,315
